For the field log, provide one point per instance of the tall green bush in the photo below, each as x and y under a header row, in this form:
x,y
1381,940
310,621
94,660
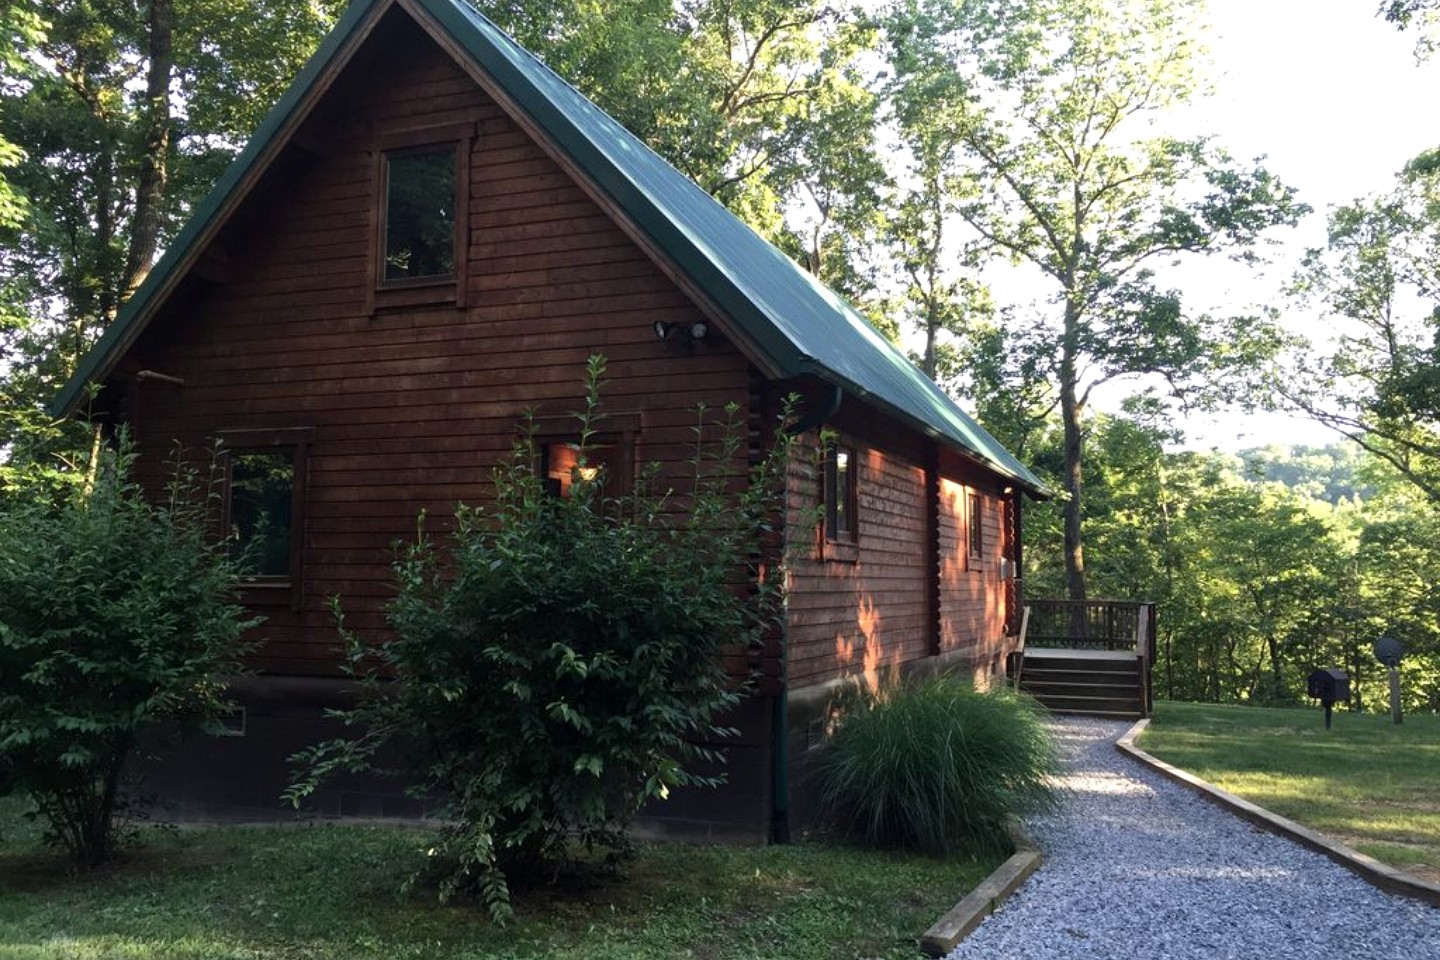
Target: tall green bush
x,y
116,614
937,767
557,663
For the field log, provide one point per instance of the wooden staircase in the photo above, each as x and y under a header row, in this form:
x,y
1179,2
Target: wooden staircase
x,y
1090,657
1096,686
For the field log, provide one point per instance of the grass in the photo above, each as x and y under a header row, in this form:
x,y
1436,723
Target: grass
x,y
1365,782
330,891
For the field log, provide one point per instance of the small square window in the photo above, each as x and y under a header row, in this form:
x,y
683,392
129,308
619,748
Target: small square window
x,y
418,216
840,493
563,467
603,461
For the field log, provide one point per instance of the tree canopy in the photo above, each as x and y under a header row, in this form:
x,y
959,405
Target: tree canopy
x,y
997,184
1046,110
1378,279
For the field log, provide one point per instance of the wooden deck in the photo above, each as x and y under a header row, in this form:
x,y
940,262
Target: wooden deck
x,y
1090,657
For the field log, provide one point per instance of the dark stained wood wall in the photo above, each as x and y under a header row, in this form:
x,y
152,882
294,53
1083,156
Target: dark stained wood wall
x,y
857,612
411,406
972,592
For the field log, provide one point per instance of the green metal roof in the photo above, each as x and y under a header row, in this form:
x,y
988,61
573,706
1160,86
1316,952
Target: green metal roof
x,y
799,325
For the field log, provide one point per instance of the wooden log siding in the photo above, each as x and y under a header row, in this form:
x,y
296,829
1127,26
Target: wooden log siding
x,y
972,601
852,617
411,407
848,618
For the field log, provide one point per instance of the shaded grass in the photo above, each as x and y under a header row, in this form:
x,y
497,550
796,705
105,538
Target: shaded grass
x,y
329,891
1365,782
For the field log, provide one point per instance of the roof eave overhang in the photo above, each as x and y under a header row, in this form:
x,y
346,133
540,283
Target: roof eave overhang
x,y
234,185
1034,489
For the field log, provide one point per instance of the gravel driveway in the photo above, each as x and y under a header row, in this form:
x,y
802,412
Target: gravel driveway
x,y
1139,868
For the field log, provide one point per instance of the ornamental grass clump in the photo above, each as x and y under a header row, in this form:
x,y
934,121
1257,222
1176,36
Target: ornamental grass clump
x,y
937,767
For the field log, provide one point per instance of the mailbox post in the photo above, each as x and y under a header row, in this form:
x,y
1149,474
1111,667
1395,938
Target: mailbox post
x,y
1328,686
1388,651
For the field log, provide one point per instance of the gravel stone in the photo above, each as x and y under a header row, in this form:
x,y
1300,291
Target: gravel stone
x,y
1138,867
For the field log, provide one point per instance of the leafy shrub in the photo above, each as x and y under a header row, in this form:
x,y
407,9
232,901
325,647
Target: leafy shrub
x,y
554,667
937,767
115,615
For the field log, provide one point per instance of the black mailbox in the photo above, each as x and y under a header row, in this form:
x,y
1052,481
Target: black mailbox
x,y
1330,686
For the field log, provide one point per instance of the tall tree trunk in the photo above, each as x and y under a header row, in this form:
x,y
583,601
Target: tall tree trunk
x,y
929,363
1277,667
1070,414
155,149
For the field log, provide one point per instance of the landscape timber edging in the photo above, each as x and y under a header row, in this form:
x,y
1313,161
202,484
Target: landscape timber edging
x,y
1369,869
960,920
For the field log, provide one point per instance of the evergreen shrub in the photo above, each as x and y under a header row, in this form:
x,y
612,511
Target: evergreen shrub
x,y
935,766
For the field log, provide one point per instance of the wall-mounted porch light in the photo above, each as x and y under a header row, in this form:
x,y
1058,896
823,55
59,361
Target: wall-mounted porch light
x,y
698,330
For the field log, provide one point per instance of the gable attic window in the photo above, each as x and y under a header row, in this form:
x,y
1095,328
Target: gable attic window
x,y
418,216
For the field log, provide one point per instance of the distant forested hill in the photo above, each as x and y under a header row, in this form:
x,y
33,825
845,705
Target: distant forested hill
x,y
1331,473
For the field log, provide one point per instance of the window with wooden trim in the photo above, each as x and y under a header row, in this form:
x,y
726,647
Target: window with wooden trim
x,y
606,459
262,508
261,487
841,501
418,215
975,523
420,224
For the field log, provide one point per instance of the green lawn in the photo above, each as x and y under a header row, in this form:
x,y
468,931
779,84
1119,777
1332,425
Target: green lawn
x,y
1366,782
330,892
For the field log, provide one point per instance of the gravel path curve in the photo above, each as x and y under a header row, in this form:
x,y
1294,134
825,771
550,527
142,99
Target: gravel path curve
x,y
1137,867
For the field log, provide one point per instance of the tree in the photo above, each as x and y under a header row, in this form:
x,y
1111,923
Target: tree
x,y
1379,280
116,116
20,29
737,94
1397,565
1053,104
937,269
1422,16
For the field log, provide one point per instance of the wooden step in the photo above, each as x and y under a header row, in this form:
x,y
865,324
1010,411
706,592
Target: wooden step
x,y
1108,714
1039,687
1085,686
1070,701
1053,664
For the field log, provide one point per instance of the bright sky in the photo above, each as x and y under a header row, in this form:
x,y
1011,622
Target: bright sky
x,y
1331,95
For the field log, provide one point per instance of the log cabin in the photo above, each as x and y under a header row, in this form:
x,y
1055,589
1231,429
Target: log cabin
x,y
429,235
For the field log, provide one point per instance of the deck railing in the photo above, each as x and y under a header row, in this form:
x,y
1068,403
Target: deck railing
x,y
1091,624
1122,625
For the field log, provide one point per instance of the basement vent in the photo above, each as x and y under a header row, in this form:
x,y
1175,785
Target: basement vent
x,y
815,734
231,723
